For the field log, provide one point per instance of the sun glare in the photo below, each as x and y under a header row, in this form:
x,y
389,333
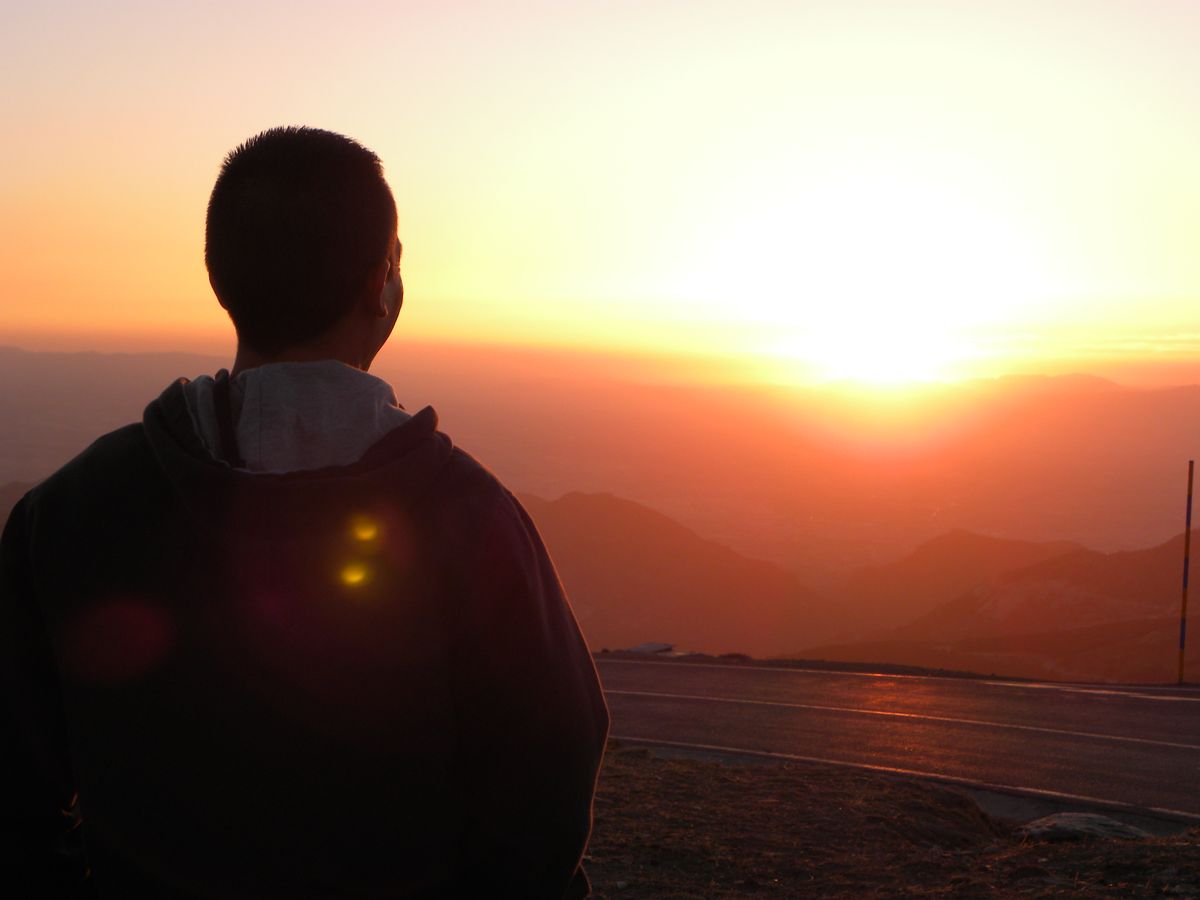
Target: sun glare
x,y
869,356
877,269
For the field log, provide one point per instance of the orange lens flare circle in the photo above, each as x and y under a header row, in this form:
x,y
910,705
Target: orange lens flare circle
x,y
364,528
354,574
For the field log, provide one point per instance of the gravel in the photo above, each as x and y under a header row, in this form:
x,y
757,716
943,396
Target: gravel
x,y
693,828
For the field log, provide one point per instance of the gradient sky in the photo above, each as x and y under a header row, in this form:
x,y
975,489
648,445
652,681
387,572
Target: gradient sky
x,y
862,189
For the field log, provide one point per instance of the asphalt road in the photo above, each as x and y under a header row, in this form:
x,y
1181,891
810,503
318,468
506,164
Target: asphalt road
x,y
1126,746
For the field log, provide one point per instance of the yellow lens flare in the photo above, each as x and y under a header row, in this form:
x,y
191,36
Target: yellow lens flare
x,y
363,528
354,574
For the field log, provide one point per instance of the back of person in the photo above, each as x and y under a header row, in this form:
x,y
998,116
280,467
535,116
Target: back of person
x,y
352,679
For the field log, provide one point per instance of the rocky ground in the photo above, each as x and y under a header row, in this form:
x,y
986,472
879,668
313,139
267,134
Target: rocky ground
x,y
692,828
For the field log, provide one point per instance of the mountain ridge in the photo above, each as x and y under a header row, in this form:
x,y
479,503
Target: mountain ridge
x,y
937,571
634,574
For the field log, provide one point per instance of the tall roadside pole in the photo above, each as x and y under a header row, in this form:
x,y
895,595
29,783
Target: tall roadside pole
x,y
1187,547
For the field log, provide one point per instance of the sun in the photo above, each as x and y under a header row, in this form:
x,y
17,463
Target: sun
x,y
881,357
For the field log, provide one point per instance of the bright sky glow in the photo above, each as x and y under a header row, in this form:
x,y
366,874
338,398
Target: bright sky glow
x,y
877,190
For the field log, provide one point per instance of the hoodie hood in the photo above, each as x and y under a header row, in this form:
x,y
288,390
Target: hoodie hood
x,y
297,416
401,464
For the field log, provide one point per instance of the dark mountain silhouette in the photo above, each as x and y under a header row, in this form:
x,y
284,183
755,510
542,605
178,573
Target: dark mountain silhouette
x,y
1082,616
940,570
634,575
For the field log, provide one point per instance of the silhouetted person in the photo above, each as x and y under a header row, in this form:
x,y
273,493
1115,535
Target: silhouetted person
x,y
282,639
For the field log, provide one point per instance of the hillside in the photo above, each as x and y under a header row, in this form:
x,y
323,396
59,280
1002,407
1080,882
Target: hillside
x,y
1081,616
635,575
1076,590
885,597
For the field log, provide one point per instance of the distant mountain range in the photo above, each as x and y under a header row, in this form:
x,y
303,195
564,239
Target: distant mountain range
x,y
1078,589
634,575
885,597
1080,615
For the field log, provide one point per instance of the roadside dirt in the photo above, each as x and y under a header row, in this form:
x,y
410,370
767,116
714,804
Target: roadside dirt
x,y
685,828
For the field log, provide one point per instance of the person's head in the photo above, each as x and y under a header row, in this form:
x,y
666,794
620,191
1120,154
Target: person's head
x,y
301,230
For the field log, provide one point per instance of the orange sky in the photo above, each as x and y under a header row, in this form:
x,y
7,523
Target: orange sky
x,y
873,190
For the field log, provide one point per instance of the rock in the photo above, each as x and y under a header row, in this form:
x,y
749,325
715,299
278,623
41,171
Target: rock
x,y
1080,827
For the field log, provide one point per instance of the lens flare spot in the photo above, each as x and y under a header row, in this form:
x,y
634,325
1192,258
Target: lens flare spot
x,y
354,574
364,529
117,641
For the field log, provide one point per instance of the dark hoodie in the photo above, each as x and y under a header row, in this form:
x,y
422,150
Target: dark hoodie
x,y
361,681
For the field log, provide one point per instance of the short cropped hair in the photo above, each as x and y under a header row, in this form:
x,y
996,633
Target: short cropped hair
x,y
296,220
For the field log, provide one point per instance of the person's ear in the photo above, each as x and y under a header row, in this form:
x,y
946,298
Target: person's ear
x,y
212,284
373,289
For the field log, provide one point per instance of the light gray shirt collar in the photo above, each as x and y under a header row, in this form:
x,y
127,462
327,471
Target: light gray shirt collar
x,y
297,416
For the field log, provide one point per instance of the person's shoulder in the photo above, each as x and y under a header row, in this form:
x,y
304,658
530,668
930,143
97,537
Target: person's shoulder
x,y
466,474
107,463
472,498
469,484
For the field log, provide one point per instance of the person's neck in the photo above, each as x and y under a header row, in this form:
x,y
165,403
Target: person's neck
x,y
246,358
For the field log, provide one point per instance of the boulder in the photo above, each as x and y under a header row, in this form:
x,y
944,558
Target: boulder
x,y
1076,826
